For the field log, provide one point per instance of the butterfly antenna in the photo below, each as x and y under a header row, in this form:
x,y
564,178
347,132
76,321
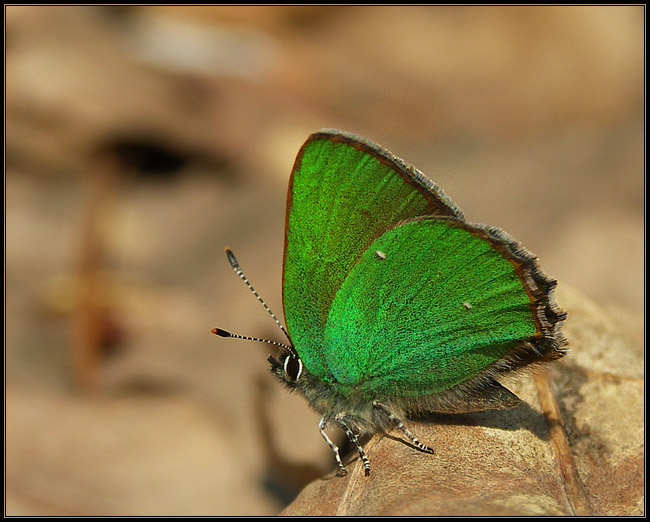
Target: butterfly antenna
x,y
235,265
223,333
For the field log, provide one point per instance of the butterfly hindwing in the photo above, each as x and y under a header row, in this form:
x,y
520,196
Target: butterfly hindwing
x,y
429,305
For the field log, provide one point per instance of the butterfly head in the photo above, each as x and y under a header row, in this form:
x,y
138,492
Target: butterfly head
x,y
287,367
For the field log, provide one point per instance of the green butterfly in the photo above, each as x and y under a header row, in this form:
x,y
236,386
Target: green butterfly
x,y
394,304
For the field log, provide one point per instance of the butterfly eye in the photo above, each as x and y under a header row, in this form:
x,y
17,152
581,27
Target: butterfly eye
x,y
293,367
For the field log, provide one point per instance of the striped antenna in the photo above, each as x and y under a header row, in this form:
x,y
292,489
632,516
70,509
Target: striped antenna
x,y
223,333
240,273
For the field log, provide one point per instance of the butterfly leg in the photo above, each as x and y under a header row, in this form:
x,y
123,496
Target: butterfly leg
x,y
341,421
321,426
398,422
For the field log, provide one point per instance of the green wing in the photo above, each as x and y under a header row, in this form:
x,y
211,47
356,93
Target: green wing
x,y
431,304
344,191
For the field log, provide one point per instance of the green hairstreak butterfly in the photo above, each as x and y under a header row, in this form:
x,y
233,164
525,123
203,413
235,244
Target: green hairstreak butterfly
x,y
393,303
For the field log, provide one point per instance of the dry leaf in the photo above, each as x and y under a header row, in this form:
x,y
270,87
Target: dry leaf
x,y
575,448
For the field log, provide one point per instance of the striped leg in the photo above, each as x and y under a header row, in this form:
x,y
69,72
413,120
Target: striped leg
x,y
340,420
321,426
398,422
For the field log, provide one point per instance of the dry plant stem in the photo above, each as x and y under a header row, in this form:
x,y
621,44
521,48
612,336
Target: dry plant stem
x,y
88,318
573,485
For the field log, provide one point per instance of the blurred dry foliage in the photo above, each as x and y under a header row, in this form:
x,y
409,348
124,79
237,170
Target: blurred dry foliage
x,y
142,140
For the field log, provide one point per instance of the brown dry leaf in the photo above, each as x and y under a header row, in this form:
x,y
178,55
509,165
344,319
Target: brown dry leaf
x,y
575,448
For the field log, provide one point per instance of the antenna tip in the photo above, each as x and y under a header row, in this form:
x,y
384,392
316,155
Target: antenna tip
x,y
231,258
220,332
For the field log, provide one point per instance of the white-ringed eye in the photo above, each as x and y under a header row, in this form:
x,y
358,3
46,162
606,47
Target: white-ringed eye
x,y
293,367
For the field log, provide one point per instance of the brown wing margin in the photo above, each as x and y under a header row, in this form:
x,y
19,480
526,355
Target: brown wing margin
x,y
549,343
409,173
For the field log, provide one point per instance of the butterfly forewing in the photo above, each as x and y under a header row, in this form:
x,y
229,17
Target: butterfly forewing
x,y
344,192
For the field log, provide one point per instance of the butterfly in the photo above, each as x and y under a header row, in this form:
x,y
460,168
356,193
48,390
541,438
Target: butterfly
x,y
394,304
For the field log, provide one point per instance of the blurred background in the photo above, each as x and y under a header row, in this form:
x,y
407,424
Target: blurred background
x,y
140,141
